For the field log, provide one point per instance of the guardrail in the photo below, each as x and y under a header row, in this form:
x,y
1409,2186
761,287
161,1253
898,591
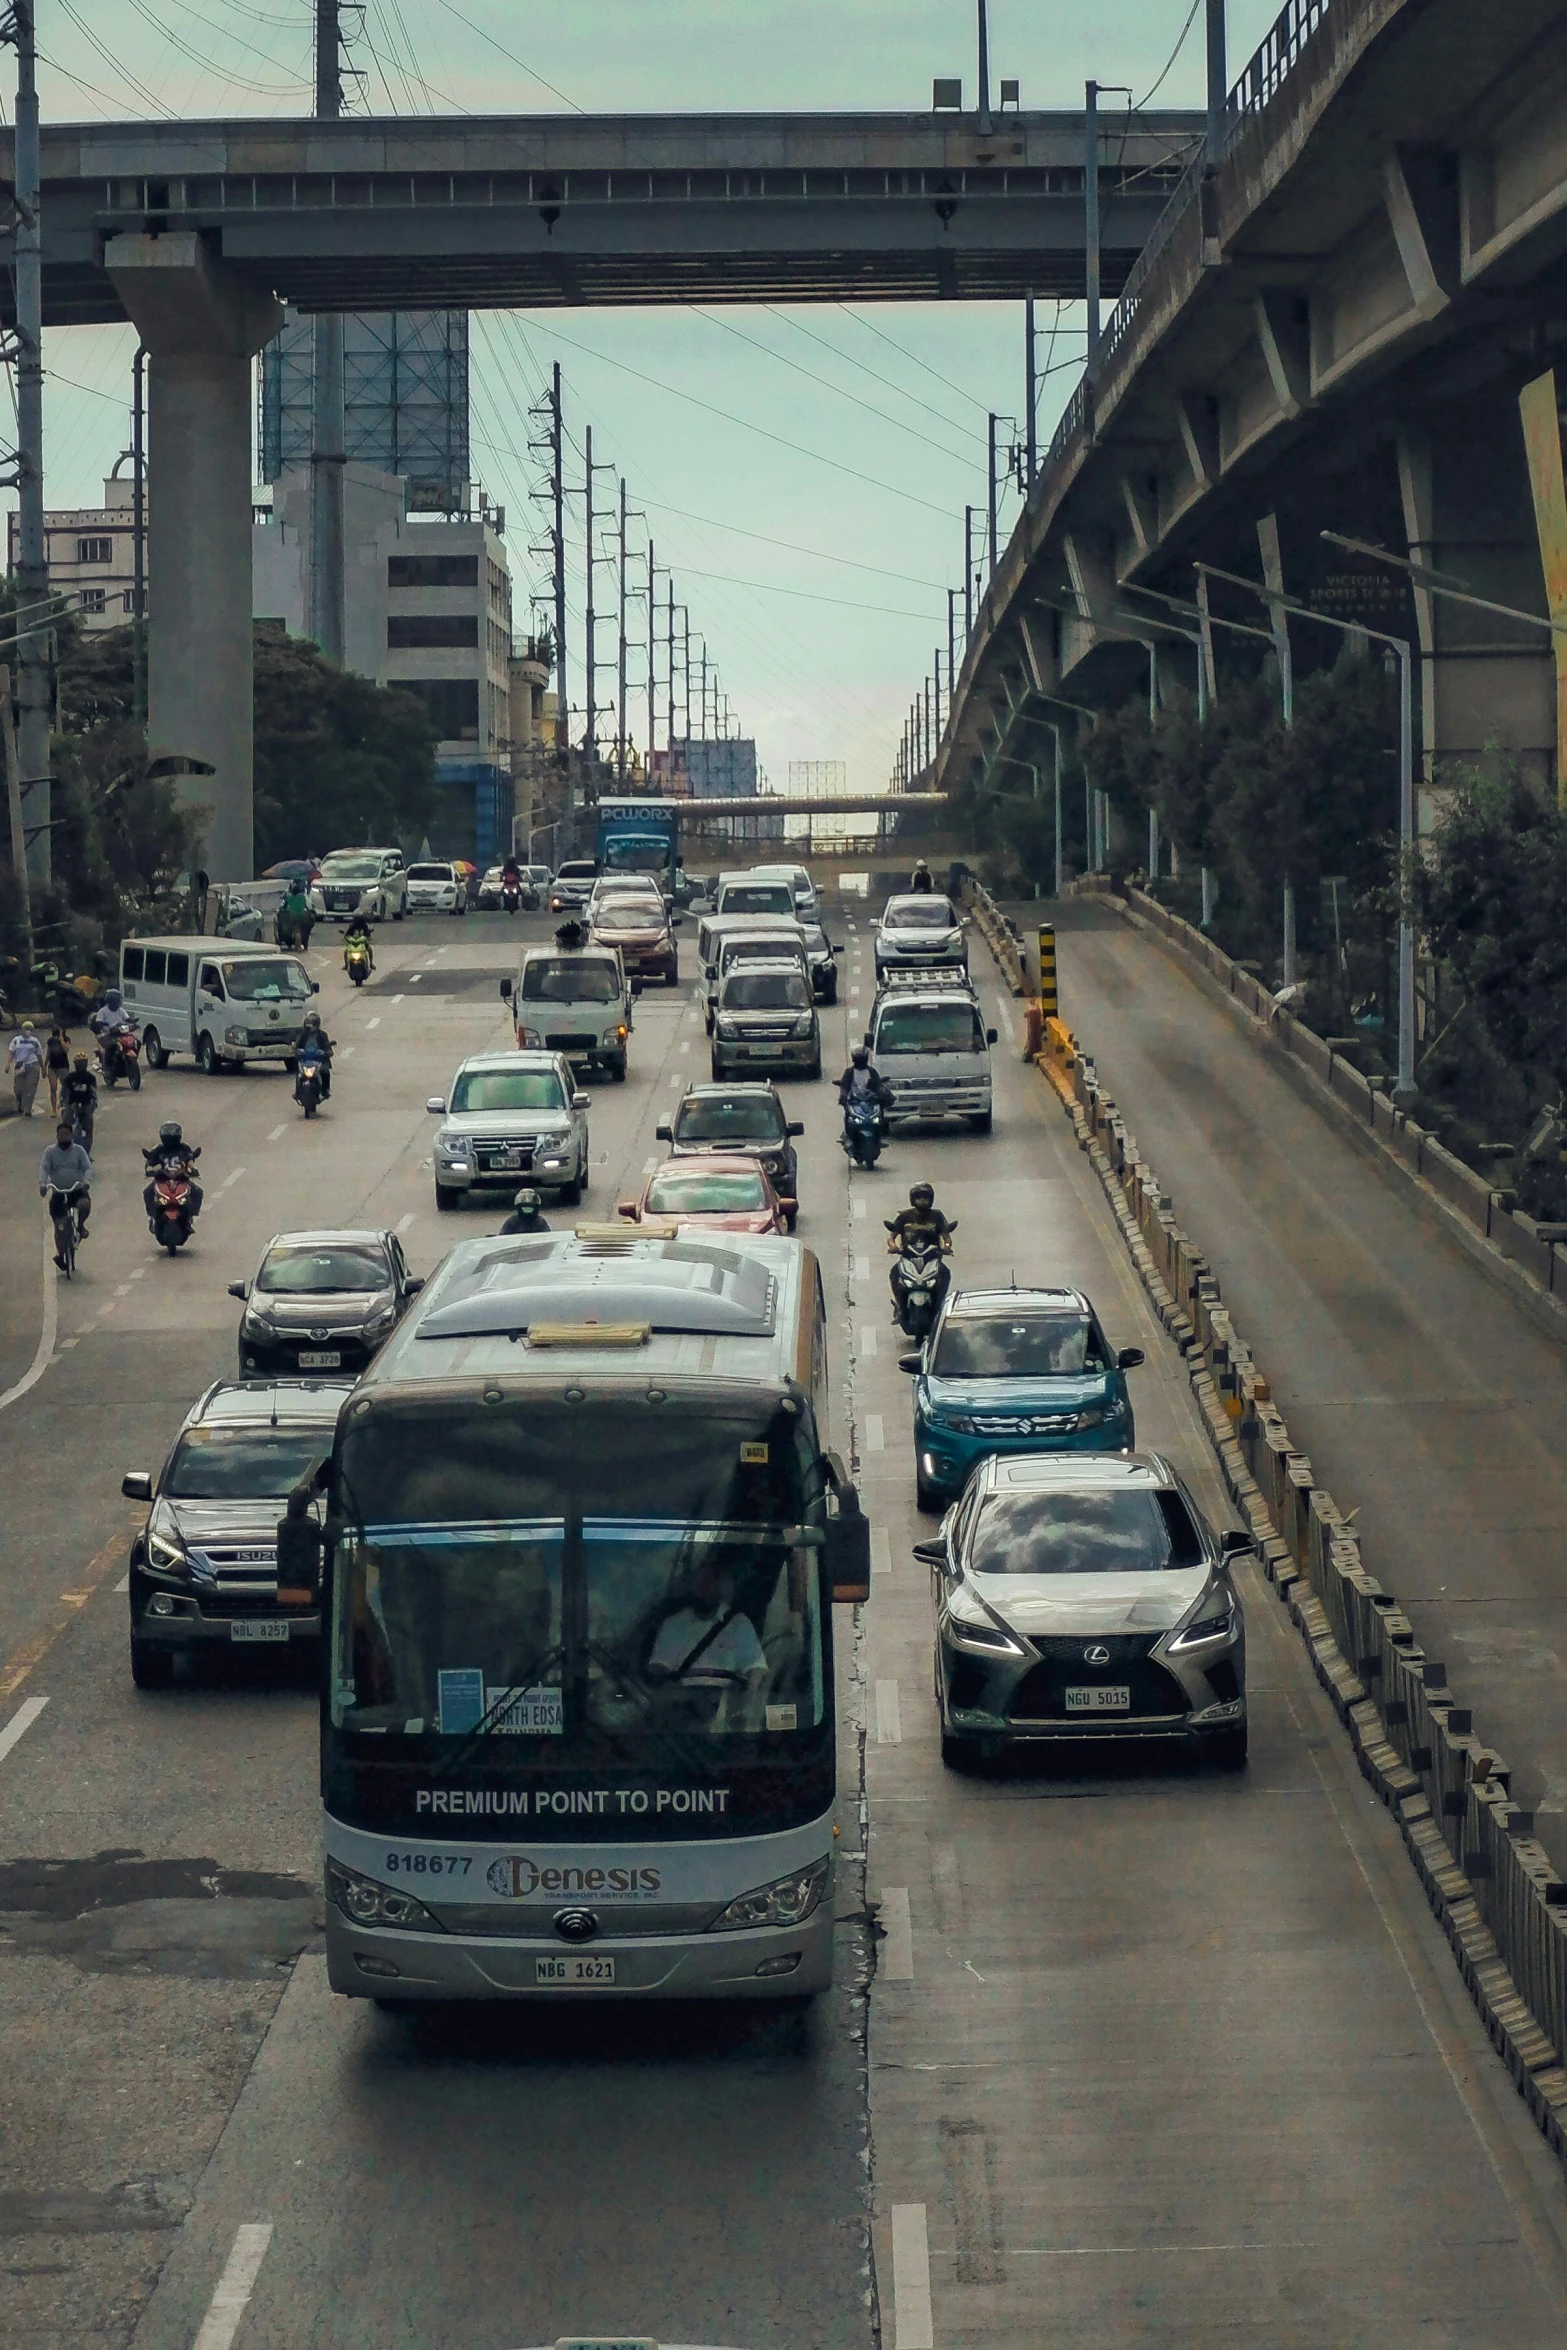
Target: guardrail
x,y
998,933
1488,1879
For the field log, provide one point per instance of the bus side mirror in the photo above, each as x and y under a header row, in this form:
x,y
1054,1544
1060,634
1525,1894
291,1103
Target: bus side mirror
x,y
299,1547
849,1548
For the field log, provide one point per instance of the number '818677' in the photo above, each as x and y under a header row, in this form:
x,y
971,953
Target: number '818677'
x,y
428,1864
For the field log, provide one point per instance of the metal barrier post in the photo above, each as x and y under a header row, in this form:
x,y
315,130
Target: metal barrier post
x,y
1049,999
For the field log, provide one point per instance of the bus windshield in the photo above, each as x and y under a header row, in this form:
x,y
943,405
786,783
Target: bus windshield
x,y
554,1583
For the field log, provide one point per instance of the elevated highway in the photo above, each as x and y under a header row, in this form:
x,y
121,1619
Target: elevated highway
x,y
1330,329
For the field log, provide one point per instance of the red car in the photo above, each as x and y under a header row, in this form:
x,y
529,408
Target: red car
x,y
717,1190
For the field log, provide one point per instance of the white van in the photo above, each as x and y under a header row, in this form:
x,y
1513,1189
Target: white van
x,y
226,1001
744,941
928,1038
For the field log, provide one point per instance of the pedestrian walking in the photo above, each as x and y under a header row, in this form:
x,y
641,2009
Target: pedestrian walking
x,y
24,1057
57,1060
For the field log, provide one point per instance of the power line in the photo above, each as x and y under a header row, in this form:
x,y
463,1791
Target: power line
x,y
1191,19
767,587
913,358
239,81
952,455
531,71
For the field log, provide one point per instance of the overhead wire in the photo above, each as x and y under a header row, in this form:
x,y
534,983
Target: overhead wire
x,y
953,455
531,71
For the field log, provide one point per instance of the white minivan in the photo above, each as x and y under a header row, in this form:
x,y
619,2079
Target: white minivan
x,y
226,1001
929,1040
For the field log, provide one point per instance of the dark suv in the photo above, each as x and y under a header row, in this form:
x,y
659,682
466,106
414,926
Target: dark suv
x,y
748,1118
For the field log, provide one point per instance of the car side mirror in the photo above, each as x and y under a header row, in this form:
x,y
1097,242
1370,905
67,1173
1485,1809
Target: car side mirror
x,y
790,1207
436,1104
636,987
849,1549
136,1485
866,1040
990,1036
663,1131
796,1126
1234,1543
931,1554
315,987
913,1364
413,1285
239,1289
709,970
1129,1358
626,1208
835,950
675,921
506,990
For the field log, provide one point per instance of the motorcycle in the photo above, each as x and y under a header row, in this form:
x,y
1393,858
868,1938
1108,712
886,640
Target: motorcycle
x,y
172,1215
511,897
308,1084
919,1283
356,962
863,1132
121,1057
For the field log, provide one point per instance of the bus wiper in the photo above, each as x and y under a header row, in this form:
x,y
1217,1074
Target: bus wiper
x,y
521,1677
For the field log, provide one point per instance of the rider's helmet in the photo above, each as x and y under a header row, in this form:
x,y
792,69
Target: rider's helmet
x,y
526,1202
113,998
922,1197
861,1056
80,1062
171,1134
312,1020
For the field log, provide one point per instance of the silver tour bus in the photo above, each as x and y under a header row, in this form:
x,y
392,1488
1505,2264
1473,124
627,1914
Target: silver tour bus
x,y
577,1715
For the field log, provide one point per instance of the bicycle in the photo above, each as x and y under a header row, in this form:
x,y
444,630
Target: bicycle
x,y
67,1230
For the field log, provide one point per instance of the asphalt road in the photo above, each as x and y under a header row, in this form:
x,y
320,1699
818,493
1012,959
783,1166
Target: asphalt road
x,y
1154,2056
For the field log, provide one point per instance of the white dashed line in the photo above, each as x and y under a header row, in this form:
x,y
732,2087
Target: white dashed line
x,y
414,978
231,2297
348,1050
1004,1006
20,1723
375,1023
881,1551
140,1273
276,1131
123,1584
397,999
229,1181
685,1044
889,1725
867,1338
675,1077
861,1208
912,2324
403,1222
896,1960
648,1165
124,1289
875,1437
65,1345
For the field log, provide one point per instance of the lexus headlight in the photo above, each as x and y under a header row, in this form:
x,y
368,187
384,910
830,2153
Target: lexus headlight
x,y
788,1901
983,1638
1215,1616
366,1903
166,1557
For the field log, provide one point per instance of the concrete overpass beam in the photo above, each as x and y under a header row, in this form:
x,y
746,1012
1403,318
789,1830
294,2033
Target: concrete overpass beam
x,y
1284,334
1140,496
1197,415
1038,637
1487,684
1090,563
202,326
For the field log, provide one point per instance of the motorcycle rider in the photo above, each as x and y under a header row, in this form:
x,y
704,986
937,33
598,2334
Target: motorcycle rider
x,y
525,1216
511,877
79,1099
294,918
111,1018
356,940
920,878
171,1154
920,1225
862,1076
65,1174
315,1044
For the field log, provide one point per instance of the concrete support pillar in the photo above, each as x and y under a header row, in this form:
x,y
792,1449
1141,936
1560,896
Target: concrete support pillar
x,y
202,325
1487,684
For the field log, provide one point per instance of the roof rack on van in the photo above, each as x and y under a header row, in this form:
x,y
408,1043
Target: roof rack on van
x,y
953,974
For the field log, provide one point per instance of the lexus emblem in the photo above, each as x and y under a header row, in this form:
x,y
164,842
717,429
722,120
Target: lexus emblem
x,y
575,1925
1097,1655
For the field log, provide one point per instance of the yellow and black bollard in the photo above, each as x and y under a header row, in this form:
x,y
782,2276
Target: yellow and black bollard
x,y
1049,1001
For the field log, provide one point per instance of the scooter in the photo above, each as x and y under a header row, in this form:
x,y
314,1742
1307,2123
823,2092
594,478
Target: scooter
x,y
307,1084
863,1131
511,897
919,1283
121,1057
173,1218
356,962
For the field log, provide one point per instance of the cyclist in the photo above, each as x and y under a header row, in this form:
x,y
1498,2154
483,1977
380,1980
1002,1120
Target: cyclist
x,y
65,1174
79,1099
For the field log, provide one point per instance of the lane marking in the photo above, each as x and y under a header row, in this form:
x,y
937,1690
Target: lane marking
x,y
123,1584
403,1222
685,1044
648,1165
889,1720
1004,1006
896,1959
140,1273
229,1181
881,1552
18,1666
414,978
861,1206
375,1023
231,2295
47,1335
347,1052
867,1338
675,1077
20,1723
276,1131
875,1434
123,1290
912,2326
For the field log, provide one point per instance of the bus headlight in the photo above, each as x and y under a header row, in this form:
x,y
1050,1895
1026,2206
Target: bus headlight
x,y
788,1901
366,1903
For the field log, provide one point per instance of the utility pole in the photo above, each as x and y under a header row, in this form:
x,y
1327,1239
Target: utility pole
x,y
685,699
558,498
35,641
590,617
652,681
326,453
1091,223
968,575
938,692
952,648
984,70
139,531
704,689
620,654
1030,432
991,493
669,739
1218,85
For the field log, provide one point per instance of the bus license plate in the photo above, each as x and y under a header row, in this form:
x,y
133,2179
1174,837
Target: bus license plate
x,y
579,1970
1112,1700
259,1628
318,1361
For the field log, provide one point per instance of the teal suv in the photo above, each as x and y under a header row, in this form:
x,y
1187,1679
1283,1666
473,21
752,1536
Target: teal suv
x,y
1014,1370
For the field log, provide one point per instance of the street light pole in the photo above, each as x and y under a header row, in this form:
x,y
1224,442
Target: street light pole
x,y
1404,1085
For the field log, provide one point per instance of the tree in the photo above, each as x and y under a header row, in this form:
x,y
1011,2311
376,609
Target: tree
x,y
338,759
1492,894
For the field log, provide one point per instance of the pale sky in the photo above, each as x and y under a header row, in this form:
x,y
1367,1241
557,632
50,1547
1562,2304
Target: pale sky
x,y
820,587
